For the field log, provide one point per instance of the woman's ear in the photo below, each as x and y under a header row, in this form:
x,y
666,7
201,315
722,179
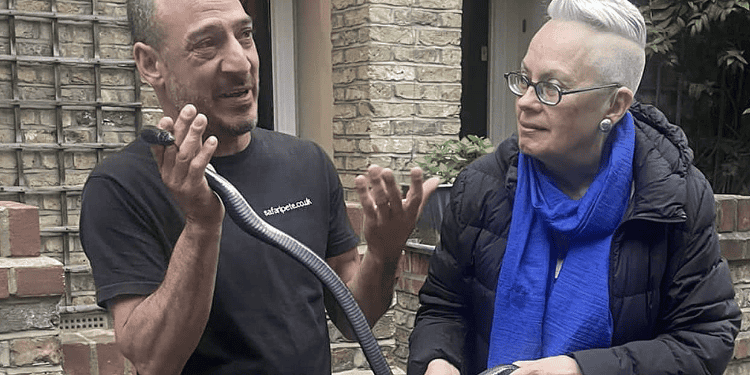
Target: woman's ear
x,y
619,104
148,63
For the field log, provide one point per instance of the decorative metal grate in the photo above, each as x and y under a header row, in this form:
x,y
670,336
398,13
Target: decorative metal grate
x,y
69,96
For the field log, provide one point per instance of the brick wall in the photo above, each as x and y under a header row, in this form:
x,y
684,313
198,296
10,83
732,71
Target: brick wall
x,y
396,81
733,225
31,286
69,96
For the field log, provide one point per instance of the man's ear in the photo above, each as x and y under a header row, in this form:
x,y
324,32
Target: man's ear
x,y
148,63
619,104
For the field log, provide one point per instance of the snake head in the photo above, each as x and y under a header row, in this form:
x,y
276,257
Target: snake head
x,y
156,136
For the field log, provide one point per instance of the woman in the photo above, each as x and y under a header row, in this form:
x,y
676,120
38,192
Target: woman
x,y
586,245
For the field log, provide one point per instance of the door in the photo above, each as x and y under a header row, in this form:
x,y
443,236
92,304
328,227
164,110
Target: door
x,y
512,25
259,11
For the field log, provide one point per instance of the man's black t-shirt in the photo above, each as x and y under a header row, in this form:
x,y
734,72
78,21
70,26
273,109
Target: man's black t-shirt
x,y
267,315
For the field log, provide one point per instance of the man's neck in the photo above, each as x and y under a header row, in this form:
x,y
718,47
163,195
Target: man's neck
x,y
232,145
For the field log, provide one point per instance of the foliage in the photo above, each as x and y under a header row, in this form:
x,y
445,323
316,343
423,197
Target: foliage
x,y
707,42
452,156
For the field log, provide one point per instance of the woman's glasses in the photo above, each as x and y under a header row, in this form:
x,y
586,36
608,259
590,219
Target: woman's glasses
x,y
547,92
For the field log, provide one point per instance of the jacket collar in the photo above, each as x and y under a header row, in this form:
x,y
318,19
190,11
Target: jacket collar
x,y
661,161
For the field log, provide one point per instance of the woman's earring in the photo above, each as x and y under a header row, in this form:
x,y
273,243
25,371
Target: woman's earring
x,y
606,125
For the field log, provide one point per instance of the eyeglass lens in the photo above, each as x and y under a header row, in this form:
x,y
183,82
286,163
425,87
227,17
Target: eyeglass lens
x,y
545,91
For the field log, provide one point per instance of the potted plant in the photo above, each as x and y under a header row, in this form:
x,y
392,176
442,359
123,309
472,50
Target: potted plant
x,y
446,161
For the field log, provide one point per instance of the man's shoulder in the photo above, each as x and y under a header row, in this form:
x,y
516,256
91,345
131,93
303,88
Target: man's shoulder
x,y
131,166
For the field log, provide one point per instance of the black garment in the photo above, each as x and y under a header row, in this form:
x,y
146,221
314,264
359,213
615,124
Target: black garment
x,y
671,295
268,315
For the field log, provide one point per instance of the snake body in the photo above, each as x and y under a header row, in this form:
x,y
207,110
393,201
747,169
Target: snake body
x,y
249,221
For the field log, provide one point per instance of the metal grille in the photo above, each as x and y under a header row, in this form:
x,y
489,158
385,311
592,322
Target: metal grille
x,y
69,96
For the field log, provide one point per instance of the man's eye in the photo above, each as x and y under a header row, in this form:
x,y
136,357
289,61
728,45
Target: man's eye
x,y
247,33
203,44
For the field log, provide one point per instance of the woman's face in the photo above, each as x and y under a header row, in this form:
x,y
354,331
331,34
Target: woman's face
x,y
565,136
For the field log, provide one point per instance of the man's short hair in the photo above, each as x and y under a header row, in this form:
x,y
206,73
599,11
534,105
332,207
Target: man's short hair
x,y
143,25
622,64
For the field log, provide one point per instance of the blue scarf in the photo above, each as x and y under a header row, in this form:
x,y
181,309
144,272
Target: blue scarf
x,y
536,315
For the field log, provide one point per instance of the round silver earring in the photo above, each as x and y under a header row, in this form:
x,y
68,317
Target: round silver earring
x,y
606,125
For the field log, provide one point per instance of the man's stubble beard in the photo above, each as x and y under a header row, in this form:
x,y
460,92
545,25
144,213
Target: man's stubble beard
x,y
179,95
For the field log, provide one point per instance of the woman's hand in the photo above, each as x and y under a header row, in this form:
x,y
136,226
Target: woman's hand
x,y
559,365
441,367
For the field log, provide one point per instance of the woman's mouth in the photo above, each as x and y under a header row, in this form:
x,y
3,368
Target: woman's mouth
x,y
530,126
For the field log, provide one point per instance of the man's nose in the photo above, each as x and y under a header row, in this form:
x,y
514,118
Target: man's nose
x,y
235,58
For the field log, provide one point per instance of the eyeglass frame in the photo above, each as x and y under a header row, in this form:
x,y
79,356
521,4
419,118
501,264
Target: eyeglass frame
x,y
559,90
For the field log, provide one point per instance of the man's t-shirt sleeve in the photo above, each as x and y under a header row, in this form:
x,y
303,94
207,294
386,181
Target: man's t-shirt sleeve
x,y
119,242
341,236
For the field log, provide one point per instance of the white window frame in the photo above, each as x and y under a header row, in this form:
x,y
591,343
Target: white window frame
x,y
283,65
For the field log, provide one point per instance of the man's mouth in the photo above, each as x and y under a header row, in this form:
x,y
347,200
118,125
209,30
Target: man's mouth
x,y
235,93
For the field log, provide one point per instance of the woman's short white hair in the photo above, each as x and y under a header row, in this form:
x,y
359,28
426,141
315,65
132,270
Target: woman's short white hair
x,y
621,64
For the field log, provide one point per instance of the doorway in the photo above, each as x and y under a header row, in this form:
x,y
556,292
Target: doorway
x,y
259,10
474,63
513,24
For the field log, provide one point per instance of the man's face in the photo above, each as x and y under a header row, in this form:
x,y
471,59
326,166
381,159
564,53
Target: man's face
x,y
210,61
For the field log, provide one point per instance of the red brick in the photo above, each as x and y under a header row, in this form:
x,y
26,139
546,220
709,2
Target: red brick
x,y
410,283
111,361
4,292
403,264
726,213
356,218
35,351
743,214
742,346
35,282
420,263
733,247
22,229
77,359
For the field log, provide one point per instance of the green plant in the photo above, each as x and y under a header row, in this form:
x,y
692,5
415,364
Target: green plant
x,y
450,157
707,43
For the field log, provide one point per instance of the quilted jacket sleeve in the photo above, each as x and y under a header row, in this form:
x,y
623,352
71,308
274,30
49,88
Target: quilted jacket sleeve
x,y
440,327
698,317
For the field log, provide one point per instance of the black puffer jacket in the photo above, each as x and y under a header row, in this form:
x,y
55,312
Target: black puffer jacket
x,y
671,295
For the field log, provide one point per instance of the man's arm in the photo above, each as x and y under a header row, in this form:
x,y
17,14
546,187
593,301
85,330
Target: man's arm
x,y
159,332
387,227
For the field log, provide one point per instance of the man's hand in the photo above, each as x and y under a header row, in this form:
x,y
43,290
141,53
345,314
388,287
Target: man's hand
x,y
441,367
559,365
182,167
389,220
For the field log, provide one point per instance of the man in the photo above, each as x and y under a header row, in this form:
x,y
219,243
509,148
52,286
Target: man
x,y
188,290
